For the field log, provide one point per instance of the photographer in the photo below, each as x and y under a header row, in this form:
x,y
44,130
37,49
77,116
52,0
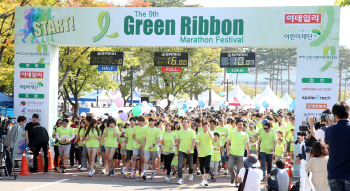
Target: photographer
x,y
326,120
10,141
337,138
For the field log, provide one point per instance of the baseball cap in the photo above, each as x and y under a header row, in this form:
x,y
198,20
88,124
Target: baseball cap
x,y
265,121
83,114
163,114
252,161
221,119
255,121
191,119
251,124
127,122
176,123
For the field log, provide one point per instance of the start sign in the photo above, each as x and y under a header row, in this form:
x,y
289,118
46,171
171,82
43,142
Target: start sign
x,y
171,69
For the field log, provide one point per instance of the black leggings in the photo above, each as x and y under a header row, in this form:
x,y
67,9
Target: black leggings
x,y
195,156
204,162
55,148
167,162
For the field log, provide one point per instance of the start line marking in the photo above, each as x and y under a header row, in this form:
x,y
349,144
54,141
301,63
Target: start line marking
x,y
48,184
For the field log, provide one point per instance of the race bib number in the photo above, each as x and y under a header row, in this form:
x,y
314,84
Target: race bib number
x,y
123,144
65,138
216,149
175,156
223,135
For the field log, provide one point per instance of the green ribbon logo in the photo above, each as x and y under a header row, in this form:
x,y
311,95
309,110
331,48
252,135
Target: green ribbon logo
x,y
104,15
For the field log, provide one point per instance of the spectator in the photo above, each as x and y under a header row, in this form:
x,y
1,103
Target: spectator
x,y
41,137
318,166
337,137
29,127
278,179
254,176
10,141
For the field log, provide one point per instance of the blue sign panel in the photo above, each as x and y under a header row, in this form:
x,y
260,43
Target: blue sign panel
x,y
108,68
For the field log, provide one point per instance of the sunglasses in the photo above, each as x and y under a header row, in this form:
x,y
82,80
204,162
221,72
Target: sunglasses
x,y
64,122
59,123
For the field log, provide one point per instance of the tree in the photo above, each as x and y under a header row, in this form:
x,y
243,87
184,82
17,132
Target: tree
x,y
342,3
138,3
171,3
85,78
199,75
344,65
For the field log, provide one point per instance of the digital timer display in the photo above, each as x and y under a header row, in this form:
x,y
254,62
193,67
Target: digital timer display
x,y
107,58
171,59
237,60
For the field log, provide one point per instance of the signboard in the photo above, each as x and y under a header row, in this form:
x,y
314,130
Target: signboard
x,y
237,60
237,70
107,58
108,68
171,59
171,69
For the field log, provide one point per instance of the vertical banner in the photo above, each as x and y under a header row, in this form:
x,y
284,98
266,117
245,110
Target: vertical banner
x,y
317,82
35,86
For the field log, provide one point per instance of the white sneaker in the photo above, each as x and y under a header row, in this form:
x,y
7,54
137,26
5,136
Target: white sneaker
x,y
90,174
198,172
190,177
202,183
206,183
103,171
226,172
166,179
93,172
83,169
181,181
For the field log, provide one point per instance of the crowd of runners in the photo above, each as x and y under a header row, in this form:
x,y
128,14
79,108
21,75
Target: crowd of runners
x,y
203,142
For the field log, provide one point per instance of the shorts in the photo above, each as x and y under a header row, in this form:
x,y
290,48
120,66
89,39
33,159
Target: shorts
x,y
129,155
92,148
110,148
151,155
137,152
64,149
102,149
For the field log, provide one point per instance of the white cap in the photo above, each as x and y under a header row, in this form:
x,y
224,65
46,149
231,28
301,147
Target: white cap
x,y
83,114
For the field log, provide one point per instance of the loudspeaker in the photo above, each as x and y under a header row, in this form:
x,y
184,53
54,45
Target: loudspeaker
x,y
145,99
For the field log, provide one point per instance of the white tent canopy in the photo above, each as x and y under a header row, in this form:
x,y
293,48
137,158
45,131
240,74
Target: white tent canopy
x,y
267,93
236,92
287,98
205,97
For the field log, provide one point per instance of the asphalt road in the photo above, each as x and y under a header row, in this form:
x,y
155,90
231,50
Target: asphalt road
x,y
75,180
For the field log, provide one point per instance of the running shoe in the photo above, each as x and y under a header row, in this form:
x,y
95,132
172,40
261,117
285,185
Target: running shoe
x,y
132,175
198,172
157,167
64,170
232,181
166,179
113,172
181,181
226,172
144,177
90,174
190,177
202,183
83,169
212,176
110,173
55,168
206,183
103,171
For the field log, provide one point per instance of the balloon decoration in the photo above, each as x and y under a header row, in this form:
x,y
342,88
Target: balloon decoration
x,y
275,109
108,102
146,109
154,109
141,104
113,108
112,93
257,107
181,113
136,111
258,96
172,107
123,116
216,109
261,110
144,102
171,97
201,104
178,106
163,103
184,105
270,107
186,110
150,105
223,105
265,104
119,101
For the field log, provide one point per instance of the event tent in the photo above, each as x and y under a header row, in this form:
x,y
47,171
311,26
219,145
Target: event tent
x,y
88,96
205,97
136,97
267,93
236,92
287,98
5,100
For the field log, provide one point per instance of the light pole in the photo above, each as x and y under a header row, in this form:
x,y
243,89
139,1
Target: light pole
x,y
227,82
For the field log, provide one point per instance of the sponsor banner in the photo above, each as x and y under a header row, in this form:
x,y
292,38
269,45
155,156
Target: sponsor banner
x,y
187,27
32,75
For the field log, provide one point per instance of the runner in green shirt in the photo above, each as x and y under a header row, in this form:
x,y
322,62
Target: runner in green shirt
x,y
129,145
216,157
235,148
279,150
151,138
253,140
138,132
92,137
268,140
205,150
64,135
168,148
111,135
58,124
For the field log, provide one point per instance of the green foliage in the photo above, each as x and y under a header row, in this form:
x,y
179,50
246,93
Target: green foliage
x,y
249,91
171,3
342,3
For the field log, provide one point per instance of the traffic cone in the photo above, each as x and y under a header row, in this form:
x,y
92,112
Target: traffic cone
x,y
24,165
40,165
290,166
50,165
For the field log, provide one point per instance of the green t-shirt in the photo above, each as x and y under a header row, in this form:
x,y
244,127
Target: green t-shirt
x,y
81,135
261,130
238,140
253,148
224,132
120,121
128,134
186,137
60,116
151,134
138,131
122,143
93,141
169,139
289,127
279,149
267,141
64,133
111,140
200,129
275,126
290,139
216,152
230,129
259,125
249,135
205,145
54,132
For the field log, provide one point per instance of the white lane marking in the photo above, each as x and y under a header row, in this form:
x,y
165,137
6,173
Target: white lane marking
x,y
48,184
